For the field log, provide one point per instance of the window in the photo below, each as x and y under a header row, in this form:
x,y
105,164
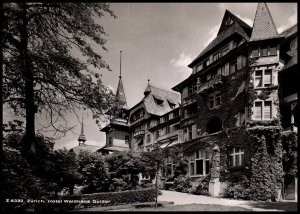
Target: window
x,y
233,66
205,63
158,101
218,99
263,78
126,139
148,138
272,50
110,141
216,56
267,110
214,100
255,52
237,156
242,118
199,162
199,67
268,77
170,166
156,134
263,110
258,79
264,50
189,130
176,113
225,50
258,110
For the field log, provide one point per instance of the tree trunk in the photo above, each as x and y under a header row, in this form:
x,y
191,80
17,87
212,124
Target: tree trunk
x,y
71,189
156,184
29,139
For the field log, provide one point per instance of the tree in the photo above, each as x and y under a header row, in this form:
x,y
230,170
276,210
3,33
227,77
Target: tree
x,y
126,166
63,170
156,159
41,72
93,171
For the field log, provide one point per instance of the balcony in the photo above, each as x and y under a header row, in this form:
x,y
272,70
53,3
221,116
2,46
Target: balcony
x,y
168,136
217,80
189,100
139,133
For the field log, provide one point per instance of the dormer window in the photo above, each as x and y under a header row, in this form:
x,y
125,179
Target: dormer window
x,y
158,100
172,105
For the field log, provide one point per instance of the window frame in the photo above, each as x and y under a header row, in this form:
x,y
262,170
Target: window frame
x,y
203,155
262,113
263,75
213,98
237,152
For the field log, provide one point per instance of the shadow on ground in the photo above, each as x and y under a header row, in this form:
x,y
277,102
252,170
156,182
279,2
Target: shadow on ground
x,y
286,206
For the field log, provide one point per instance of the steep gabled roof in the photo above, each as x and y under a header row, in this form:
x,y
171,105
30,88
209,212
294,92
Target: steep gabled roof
x,y
151,105
228,14
239,26
263,26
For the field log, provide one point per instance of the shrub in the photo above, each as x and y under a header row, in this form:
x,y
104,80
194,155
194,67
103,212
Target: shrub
x,y
238,190
182,184
202,186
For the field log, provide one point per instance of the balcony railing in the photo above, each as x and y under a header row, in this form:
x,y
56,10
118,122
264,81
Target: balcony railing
x,y
138,133
211,82
168,135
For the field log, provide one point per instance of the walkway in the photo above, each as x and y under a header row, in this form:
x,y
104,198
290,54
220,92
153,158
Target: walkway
x,y
185,198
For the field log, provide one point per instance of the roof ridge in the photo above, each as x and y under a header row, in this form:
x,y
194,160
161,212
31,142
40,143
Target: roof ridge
x,y
175,92
288,29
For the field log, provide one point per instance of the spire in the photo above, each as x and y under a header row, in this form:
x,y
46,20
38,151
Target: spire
x,y
148,89
263,26
120,94
81,138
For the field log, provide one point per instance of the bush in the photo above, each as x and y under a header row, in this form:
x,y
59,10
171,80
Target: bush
x,y
238,190
202,186
116,198
182,184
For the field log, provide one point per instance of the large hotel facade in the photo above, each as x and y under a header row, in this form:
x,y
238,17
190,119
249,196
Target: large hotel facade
x,y
241,95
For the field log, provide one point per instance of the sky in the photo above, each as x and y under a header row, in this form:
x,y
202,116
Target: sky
x,y
158,41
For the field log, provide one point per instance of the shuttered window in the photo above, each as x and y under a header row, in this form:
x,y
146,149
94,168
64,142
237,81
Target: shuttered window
x,y
263,110
272,50
264,50
258,110
255,52
268,110
268,77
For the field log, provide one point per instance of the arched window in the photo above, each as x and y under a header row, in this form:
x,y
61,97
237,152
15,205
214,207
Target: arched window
x,y
214,125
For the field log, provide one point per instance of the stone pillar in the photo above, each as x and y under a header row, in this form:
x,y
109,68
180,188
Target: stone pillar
x,y
214,188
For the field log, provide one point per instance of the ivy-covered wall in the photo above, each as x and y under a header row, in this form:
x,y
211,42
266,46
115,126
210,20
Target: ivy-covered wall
x,y
233,100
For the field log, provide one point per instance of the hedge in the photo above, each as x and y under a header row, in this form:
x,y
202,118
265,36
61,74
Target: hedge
x,y
99,199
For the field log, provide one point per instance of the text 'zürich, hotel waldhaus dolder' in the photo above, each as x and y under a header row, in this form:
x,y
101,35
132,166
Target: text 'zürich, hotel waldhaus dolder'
x,y
233,115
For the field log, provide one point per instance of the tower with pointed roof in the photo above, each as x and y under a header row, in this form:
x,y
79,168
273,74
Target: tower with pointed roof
x,y
81,138
117,131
